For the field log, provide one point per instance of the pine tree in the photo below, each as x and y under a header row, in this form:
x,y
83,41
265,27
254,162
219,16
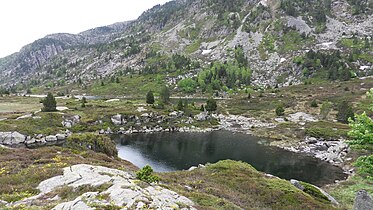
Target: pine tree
x,y
344,112
314,103
202,108
49,103
150,98
180,105
211,105
165,95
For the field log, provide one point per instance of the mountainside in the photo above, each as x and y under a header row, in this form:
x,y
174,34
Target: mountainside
x,y
220,44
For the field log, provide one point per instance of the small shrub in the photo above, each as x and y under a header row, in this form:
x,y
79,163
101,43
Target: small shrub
x,y
180,105
326,107
211,105
365,166
280,111
344,112
150,98
314,103
145,174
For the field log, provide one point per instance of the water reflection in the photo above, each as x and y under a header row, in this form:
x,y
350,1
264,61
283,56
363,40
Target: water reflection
x,y
177,151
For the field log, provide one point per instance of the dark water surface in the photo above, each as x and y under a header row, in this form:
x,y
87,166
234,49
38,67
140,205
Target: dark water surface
x,y
178,151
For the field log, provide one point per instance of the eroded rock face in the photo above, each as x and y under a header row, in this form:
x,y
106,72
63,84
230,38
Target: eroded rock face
x,y
124,192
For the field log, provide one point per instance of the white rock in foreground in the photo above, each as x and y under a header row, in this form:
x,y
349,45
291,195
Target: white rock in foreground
x,y
124,191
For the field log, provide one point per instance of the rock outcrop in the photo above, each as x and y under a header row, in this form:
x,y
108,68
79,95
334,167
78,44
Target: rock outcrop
x,y
15,139
363,201
68,122
123,190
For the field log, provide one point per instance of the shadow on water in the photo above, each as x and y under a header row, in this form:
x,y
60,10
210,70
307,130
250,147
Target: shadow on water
x,y
178,151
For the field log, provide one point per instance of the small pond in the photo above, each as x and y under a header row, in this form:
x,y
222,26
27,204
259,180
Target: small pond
x,y
178,151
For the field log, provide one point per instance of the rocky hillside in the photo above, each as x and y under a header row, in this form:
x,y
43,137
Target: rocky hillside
x,y
218,43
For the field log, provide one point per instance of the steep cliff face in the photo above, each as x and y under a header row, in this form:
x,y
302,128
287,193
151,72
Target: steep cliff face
x,y
20,66
272,34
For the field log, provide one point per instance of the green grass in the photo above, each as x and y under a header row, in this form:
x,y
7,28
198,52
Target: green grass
x,y
49,123
18,104
349,43
345,191
327,130
20,174
193,47
136,85
231,185
292,41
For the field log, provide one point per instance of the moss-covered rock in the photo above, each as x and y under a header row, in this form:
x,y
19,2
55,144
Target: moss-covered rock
x,y
230,185
89,141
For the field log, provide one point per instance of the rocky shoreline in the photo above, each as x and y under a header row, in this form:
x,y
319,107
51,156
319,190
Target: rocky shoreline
x,y
331,151
15,139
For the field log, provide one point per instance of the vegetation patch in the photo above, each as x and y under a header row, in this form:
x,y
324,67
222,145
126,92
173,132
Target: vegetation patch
x,y
145,174
97,143
327,130
232,184
23,169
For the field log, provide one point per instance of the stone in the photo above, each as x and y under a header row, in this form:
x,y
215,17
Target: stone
x,y
67,124
203,116
297,184
363,201
173,114
116,119
18,138
280,120
70,121
301,117
77,204
60,137
123,190
51,138
3,202
12,138
30,141
109,131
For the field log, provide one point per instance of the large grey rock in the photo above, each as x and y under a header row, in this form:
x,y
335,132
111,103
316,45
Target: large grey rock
x,y
12,138
5,137
18,138
299,24
301,117
363,201
123,192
